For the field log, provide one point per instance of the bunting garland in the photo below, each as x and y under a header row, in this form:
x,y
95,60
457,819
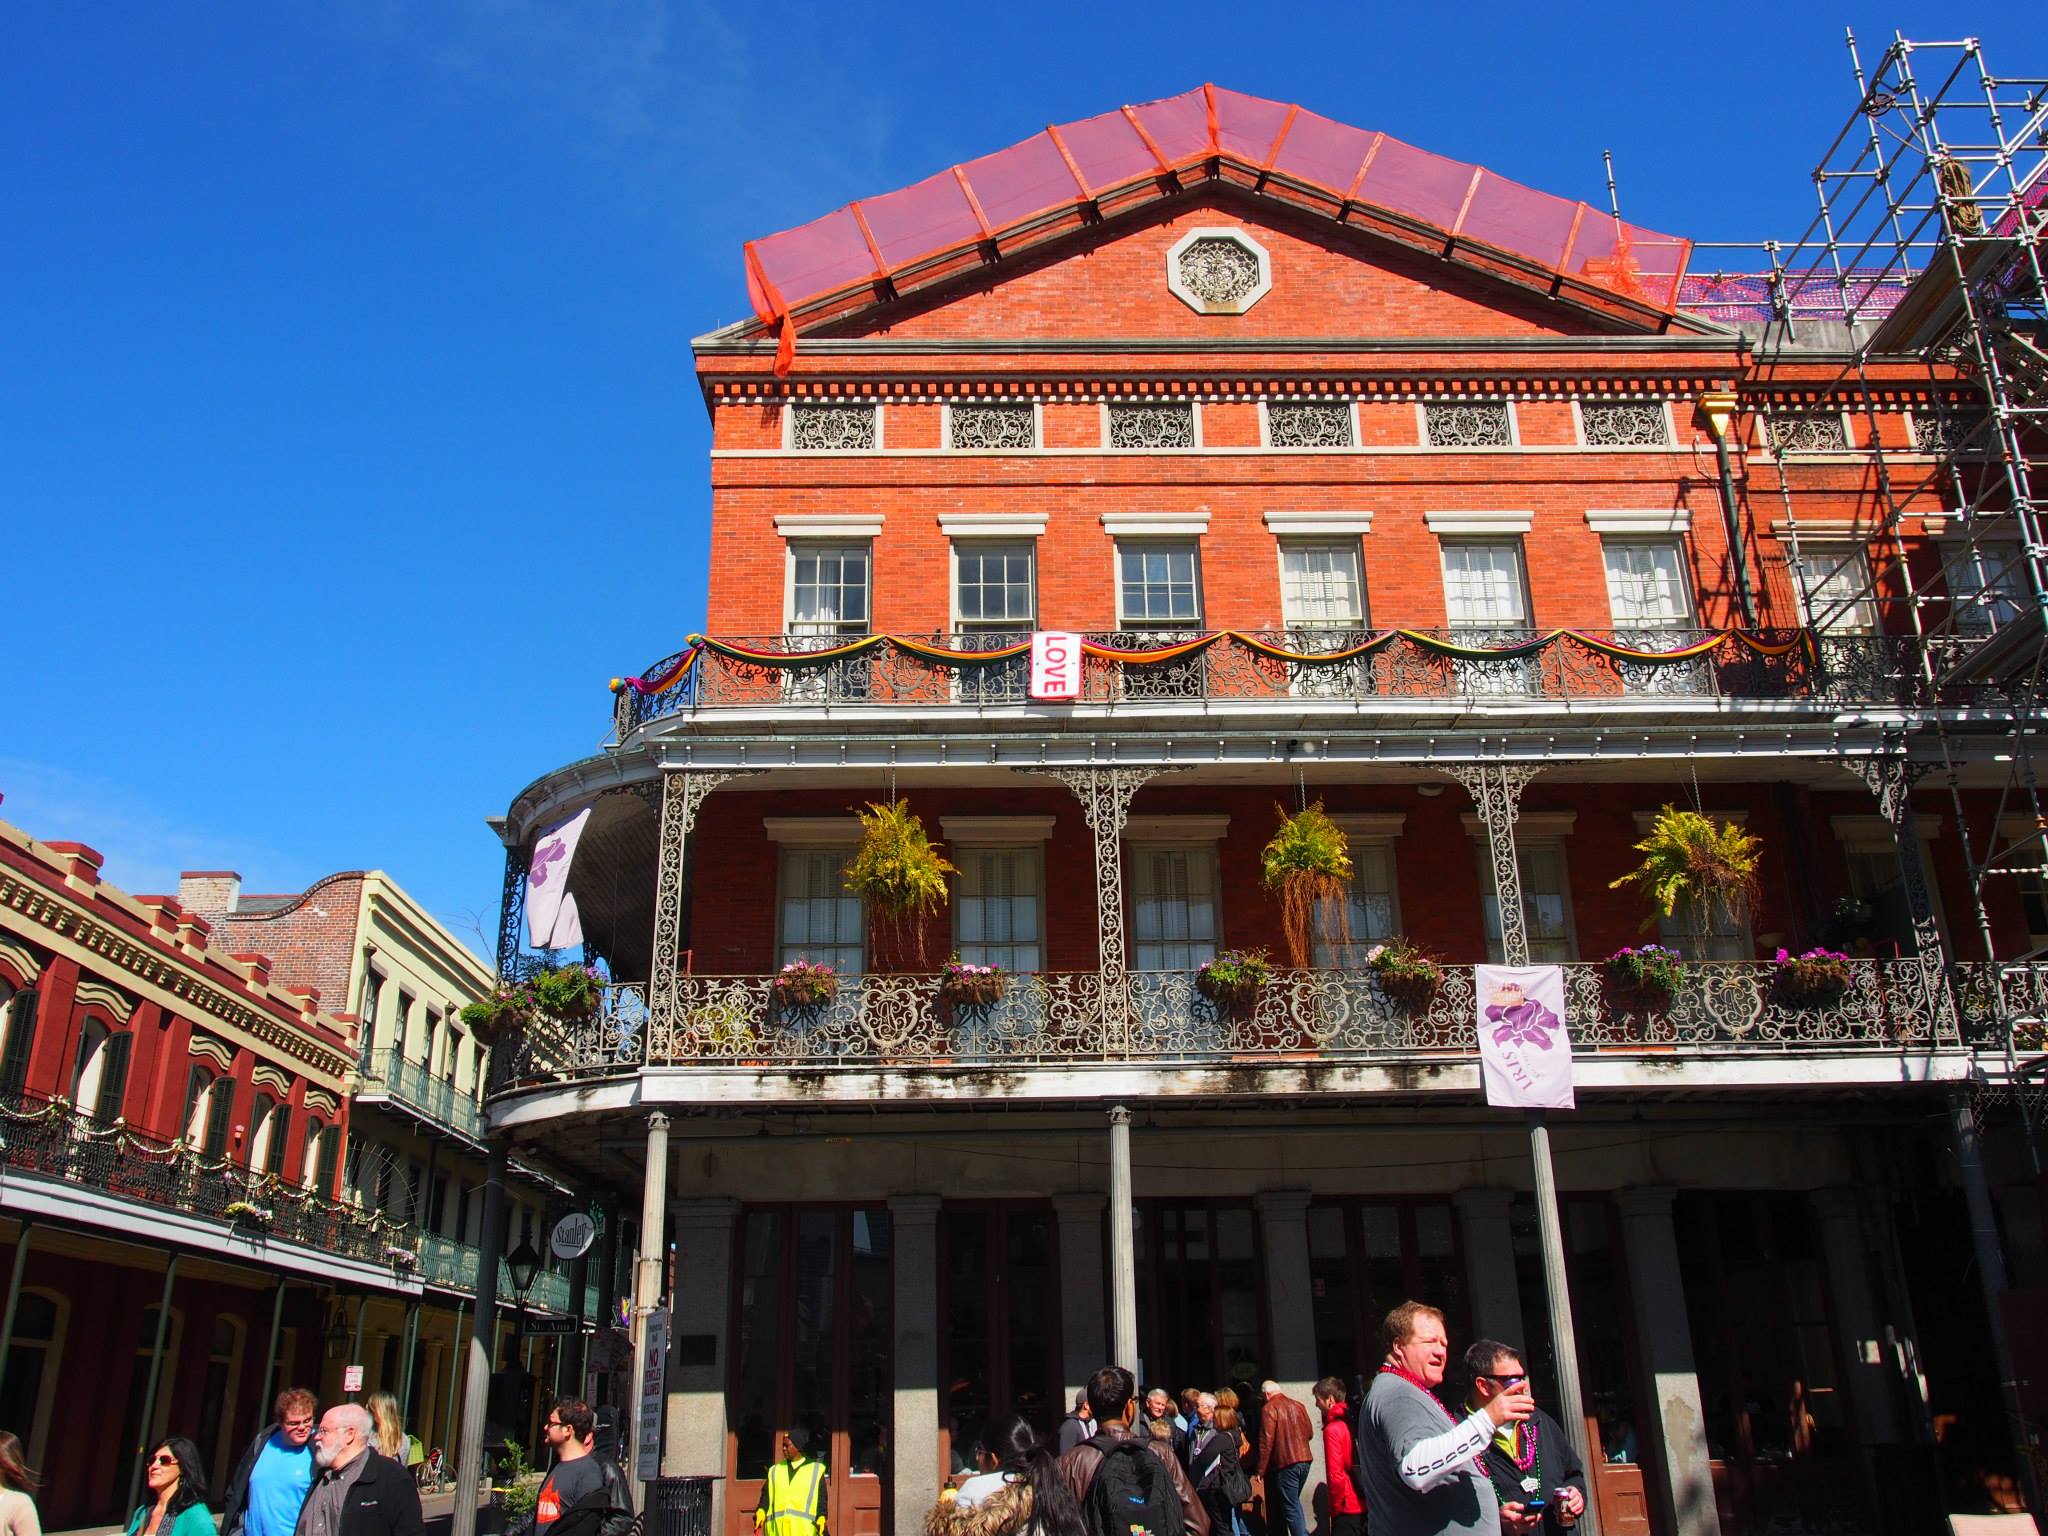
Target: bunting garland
x,y
677,669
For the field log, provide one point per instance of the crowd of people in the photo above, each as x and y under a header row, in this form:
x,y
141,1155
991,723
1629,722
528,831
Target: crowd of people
x,y
347,1472
1400,1459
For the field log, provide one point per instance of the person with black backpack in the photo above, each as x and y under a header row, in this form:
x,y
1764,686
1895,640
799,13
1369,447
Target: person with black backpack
x,y
1129,1484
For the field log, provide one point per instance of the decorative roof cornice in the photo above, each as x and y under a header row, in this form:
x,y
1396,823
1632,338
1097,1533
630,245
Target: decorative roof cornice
x,y
1505,383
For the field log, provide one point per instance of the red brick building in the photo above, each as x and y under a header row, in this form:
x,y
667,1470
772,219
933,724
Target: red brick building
x,y
1370,479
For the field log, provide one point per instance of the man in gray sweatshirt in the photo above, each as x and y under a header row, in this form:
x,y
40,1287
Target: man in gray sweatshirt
x,y
1418,1466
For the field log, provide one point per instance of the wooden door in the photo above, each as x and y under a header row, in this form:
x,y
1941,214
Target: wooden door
x,y
1620,1502
813,1333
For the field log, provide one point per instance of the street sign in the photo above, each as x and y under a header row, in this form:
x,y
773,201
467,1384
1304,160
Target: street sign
x,y
653,1396
352,1379
547,1325
573,1235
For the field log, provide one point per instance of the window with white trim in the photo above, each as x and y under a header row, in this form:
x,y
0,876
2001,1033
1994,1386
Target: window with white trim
x,y
100,1077
1159,583
1483,587
1833,581
1646,585
1173,905
1988,584
993,585
34,1357
1309,424
828,589
997,917
1870,854
1321,585
1546,902
1724,935
818,918
1371,909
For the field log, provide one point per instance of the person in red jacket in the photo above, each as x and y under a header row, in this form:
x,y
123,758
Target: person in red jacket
x,y
1347,1510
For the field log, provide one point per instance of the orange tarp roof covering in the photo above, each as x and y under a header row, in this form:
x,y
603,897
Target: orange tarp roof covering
x,y
1077,163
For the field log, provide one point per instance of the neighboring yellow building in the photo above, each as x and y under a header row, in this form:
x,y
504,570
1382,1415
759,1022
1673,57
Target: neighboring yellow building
x,y
415,1151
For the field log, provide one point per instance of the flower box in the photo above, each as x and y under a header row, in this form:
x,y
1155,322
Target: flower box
x,y
972,986
1405,973
804,984
1817,979
246,1213
1235,978
1645,978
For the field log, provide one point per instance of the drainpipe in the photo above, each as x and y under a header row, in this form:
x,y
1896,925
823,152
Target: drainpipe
x,y
1717,409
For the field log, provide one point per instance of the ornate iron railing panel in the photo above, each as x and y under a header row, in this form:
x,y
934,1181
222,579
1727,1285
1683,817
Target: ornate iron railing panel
x,y
1406,668
411,1084
1162,1017
1991,995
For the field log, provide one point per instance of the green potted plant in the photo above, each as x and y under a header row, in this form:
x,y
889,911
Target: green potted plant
x,y
1405,972
1695,865
1646,978
1308,861
1234,978
895,870
504,1011
247,1213
1817,979
568,993
804,984
517,1490
962,985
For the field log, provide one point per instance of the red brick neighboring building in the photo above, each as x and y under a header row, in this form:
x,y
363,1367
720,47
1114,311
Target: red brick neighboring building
x,y
1386,499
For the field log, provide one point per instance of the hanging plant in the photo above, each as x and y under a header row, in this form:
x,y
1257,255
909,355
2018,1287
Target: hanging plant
x,y
568,993
962,985
1694,862
502,1012
896,871
1817,979
1646,978
1308,862
1406,973
1234,978
805,984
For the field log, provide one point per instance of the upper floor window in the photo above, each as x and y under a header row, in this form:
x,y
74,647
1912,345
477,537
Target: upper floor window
x,y
1987,585
1546,902
323,1151
400,1034
1468,424
1173,905
17,1037
1309,424
1624,424
209,1102
819,919
1483,586
987,428
1371,910
1158,583
269,1135
1646,583
996,918
828,589
992,585
835,428
99,1077
1810,432
1834,588
1321,586
1161,424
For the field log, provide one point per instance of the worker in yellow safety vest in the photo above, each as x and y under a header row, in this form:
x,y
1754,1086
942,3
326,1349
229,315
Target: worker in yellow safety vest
x,y
793,1498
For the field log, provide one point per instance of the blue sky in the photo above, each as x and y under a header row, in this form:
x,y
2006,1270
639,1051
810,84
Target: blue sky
x,y
348,438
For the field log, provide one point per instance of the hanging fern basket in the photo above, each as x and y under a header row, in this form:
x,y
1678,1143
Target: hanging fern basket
x,y
1695,866
1308,862
896,872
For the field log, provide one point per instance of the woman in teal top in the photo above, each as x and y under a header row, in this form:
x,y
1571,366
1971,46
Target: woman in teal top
x,y
177,1485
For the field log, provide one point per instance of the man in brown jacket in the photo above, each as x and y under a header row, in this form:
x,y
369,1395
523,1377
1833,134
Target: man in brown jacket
x,y
1285,1448
1113,1405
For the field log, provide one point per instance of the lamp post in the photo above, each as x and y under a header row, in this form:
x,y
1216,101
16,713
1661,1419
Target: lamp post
x,y
523,1263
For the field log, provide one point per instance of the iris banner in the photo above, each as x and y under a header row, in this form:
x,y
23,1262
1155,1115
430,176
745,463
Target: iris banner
x,y
1525,1052
552,921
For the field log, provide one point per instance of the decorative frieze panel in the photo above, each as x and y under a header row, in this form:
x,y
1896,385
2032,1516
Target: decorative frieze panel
x,y
1475,424
833,428
1810,432
988,427
1951,432
1309,424
1218,271
1615,424
1167,425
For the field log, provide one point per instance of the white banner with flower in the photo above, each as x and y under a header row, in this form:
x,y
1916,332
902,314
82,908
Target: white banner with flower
x,y
1525,1052
552,921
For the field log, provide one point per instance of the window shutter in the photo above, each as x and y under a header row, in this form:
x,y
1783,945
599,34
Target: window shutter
x,y
280,1129
218,1110
21,1037
113,1077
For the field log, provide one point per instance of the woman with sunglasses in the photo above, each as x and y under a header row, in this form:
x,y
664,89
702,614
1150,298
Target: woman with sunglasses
x,y
177,1486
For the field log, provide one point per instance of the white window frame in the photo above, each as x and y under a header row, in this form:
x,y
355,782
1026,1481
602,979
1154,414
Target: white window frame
x,y
1194,405
1031,848
990,544
790,408
835,848
792,547
1295,543
1151,540
1825,548
37,1439
1194,835
1671,442
1036,407
1688,618
1865,835
1375,832
1266,426
1463,540
1955,551
1535,832
1514,425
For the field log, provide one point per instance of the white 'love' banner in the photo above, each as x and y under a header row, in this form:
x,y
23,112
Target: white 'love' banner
x,y
1055,665
1525,1052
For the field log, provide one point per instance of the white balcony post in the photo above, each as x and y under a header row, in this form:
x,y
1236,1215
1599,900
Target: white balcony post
x,y
647,1277
1084,1348
914,1240
1123,1257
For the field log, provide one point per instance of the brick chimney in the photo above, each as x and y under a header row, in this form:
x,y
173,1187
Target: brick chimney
x,y
212,893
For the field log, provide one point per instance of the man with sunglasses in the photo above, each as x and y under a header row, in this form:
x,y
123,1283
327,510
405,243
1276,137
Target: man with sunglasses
x,y
270,1481
1536,1473
576,1497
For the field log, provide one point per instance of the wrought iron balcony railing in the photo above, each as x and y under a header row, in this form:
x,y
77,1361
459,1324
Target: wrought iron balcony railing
x,y
1161,1017
52,1138
410,1083
1389,670
445,1262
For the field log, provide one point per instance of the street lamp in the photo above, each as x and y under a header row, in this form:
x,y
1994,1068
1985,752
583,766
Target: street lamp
x,y
524,1263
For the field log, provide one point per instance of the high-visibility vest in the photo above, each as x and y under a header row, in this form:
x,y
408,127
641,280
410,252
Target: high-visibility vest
x,y
793,1498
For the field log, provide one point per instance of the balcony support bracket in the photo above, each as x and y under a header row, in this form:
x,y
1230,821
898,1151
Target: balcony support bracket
x,y
1496,790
